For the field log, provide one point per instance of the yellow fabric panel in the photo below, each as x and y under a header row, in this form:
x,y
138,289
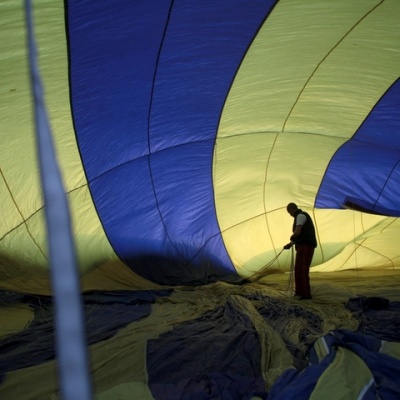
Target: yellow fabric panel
x,y
339,378
295,169
249,245
342,89
115,275
14,318
118,364
248,168
19,187
374,244
343,285
20,240
17,147
347,239
23,262
288,54
303,89
119,360
111,275
114,362
294,79
92,244
310,78
8,203
391,349
23,383
275,357
53,64
126,391
23,237
259,218
113,381
285,56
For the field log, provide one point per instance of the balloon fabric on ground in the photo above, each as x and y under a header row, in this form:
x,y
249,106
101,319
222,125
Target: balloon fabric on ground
x,y
182,130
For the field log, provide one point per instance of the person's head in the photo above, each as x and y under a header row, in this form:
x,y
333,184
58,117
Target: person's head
x,y
292,208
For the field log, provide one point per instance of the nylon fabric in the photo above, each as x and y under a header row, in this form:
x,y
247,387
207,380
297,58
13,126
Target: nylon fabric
x,y
182,129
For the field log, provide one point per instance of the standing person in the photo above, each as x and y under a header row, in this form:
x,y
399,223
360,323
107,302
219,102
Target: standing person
x,y
305,242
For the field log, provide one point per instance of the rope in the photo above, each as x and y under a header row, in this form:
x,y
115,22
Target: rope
x,y
69,320
259,274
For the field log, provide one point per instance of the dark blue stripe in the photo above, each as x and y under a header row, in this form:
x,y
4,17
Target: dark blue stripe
x,y
366,170
105,314
149,80
184,359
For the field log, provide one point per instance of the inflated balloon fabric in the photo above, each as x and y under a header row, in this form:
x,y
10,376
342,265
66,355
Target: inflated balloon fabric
x,y
183,129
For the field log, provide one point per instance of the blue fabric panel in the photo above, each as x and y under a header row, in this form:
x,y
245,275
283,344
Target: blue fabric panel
x,y
113,50
218,354
385,369
211,385
366,170
148,82
204,46
295,385
186,181
382,126
378,317
215,356
133,234
212,261
312,322
105,314
140,240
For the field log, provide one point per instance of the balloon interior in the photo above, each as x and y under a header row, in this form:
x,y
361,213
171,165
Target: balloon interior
x,y
180,131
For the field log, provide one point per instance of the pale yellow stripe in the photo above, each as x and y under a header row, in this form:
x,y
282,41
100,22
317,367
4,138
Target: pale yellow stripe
x,y
308,81
14,318
346,377
23,237
391,349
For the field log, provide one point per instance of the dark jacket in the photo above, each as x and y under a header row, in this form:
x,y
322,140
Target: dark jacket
x,y
307,235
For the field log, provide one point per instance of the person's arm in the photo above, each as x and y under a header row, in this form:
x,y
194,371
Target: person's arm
x,y
296,233
300,221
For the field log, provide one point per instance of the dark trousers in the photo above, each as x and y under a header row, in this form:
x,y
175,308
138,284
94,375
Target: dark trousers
x,y
304,255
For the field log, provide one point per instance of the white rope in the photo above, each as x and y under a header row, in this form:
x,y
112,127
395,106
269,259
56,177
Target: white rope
x,y
71,346
259,274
